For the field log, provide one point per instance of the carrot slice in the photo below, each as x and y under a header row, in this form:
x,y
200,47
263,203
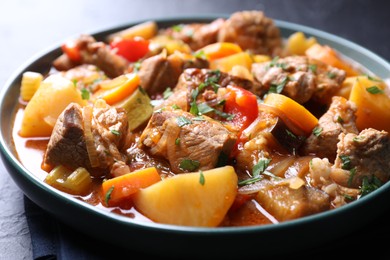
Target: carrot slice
x,y
297,113
116,94
120,188
220,49
329,56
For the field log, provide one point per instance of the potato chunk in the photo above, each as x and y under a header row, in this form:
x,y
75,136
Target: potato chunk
x,y
190,199
51,98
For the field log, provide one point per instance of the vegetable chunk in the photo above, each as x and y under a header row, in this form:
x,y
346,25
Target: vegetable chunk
x,y
190,199
373,104
51,98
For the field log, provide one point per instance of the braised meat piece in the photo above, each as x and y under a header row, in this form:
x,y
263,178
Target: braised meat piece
x,y
299,78
192,78
285,203
252,31
188,143
104,126
161,71
366,155
340,118
96,53
196,35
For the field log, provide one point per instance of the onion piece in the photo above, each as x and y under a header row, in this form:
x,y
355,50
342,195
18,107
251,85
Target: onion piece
x,y
90,144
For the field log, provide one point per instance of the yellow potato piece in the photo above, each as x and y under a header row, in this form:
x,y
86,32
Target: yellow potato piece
x,y
51,98
227,63
190,199
297,43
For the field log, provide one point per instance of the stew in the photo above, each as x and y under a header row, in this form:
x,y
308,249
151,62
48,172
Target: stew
x,y
206,124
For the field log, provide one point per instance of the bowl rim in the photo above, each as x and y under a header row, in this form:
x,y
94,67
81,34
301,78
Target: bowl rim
x,y
8,154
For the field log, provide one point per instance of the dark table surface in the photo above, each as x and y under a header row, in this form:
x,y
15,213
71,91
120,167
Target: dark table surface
x,y
30,26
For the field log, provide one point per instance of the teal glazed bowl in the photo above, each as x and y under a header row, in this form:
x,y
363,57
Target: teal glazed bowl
x,y
178,241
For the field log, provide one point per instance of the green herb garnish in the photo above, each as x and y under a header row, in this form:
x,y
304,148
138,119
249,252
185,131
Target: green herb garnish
x,y
177,141
369,185
374,90
85,94
107,197
115,132
167,93
182,121
317,131
313,68
346,162
177,27
331,75
201,178
352,174
189,165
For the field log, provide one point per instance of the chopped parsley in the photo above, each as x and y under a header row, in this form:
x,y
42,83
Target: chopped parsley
x,y
313,68
115,132
331,75
182,121
200,55
352,174
317,131
137,66
107,197
189,165
289,133
177,141
174,106
142,90
358,138
177,27
369,185
201,178
167,93
373,78
85,93
374,90
278,88
340,120
257,171
346,162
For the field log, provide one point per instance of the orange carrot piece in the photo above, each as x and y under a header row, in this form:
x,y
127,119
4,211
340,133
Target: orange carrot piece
x,y
120,188
297,113
220,49
329,56
114,95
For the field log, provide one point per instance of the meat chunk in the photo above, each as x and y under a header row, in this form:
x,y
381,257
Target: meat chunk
x,y
252,31
340,118
161,71
320,172
104,127
285,203
362,156
299,78
196,35
96,53
211,80
187,143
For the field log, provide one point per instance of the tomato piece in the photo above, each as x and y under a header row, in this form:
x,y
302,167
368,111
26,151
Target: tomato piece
x,y
131,49
243,105
72,50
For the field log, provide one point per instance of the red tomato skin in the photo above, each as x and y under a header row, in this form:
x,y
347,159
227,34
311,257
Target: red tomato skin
x,y
131,49
72,50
